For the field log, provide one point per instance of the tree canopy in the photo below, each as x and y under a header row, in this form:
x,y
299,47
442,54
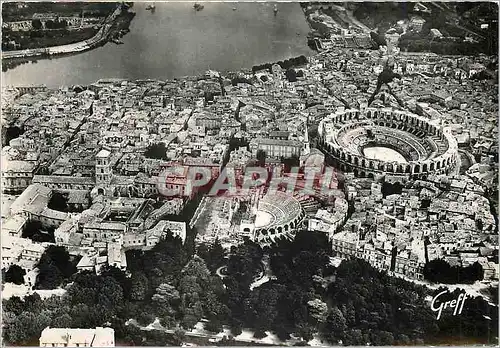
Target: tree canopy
x,y
14,274
55,266
156,151
440,271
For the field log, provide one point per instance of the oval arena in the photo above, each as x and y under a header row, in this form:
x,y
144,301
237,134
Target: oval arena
x,y
425,147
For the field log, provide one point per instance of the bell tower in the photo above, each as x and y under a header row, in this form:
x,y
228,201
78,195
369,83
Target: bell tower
x,y
307,148
103,172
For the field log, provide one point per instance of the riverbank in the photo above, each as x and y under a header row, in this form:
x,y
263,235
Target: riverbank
x,y
175,41
353,26
46,38
102,36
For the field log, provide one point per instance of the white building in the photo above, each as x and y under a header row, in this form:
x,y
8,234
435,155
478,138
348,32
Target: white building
x,y
16,175
59,337
20,251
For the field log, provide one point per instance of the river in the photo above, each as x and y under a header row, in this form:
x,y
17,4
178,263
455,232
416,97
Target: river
x,y
175,41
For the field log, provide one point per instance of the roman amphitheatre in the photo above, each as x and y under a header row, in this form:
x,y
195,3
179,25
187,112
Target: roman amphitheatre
x,y
387,141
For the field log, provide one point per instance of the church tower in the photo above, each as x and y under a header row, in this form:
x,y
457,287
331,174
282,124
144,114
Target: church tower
x,y
103,172
307,148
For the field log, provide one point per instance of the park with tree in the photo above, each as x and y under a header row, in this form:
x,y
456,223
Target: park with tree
x,y
307,296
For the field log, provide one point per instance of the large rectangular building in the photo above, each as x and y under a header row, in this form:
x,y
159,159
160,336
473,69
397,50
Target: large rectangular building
x,y
63,337
275,148
16,175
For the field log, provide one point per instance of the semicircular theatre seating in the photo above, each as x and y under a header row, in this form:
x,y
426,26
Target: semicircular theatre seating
x,y
287,213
